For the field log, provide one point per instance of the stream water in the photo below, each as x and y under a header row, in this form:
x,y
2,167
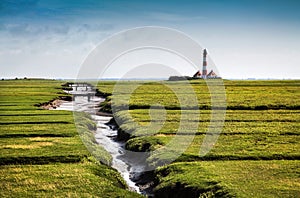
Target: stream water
x,y
105,135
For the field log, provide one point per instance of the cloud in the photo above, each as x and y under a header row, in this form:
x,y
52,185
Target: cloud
x,y
25,30
171,17
95,27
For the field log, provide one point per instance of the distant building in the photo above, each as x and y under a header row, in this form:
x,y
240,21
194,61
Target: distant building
x,y
197,75
212,74
204,70
204,74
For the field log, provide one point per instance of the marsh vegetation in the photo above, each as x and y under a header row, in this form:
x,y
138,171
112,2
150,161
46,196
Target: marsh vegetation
x,y
256,155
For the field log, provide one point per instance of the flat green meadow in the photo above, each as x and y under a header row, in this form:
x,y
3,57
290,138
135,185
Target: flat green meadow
x,y
41,153
256,155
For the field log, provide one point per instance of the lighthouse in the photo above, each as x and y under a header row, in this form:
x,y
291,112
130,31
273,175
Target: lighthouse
x,y
205,74
204,70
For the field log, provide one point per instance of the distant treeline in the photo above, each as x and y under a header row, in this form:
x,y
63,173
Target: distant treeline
x,y
176,78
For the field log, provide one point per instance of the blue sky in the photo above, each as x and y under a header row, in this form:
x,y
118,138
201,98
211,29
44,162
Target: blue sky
x,y
245,38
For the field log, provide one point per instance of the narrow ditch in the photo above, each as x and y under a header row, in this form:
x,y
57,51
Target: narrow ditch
x,y
106,136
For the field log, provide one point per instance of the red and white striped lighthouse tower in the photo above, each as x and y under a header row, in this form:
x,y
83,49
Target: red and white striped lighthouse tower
x,y
204,70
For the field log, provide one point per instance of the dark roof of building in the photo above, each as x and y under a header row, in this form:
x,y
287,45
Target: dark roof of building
x,y
211,73
197,74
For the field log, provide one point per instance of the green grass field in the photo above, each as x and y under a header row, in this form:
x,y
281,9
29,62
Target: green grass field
x,y
41,153
256,155
240,95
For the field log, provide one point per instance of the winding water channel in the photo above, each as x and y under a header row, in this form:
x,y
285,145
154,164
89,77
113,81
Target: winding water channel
x,y
105,135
